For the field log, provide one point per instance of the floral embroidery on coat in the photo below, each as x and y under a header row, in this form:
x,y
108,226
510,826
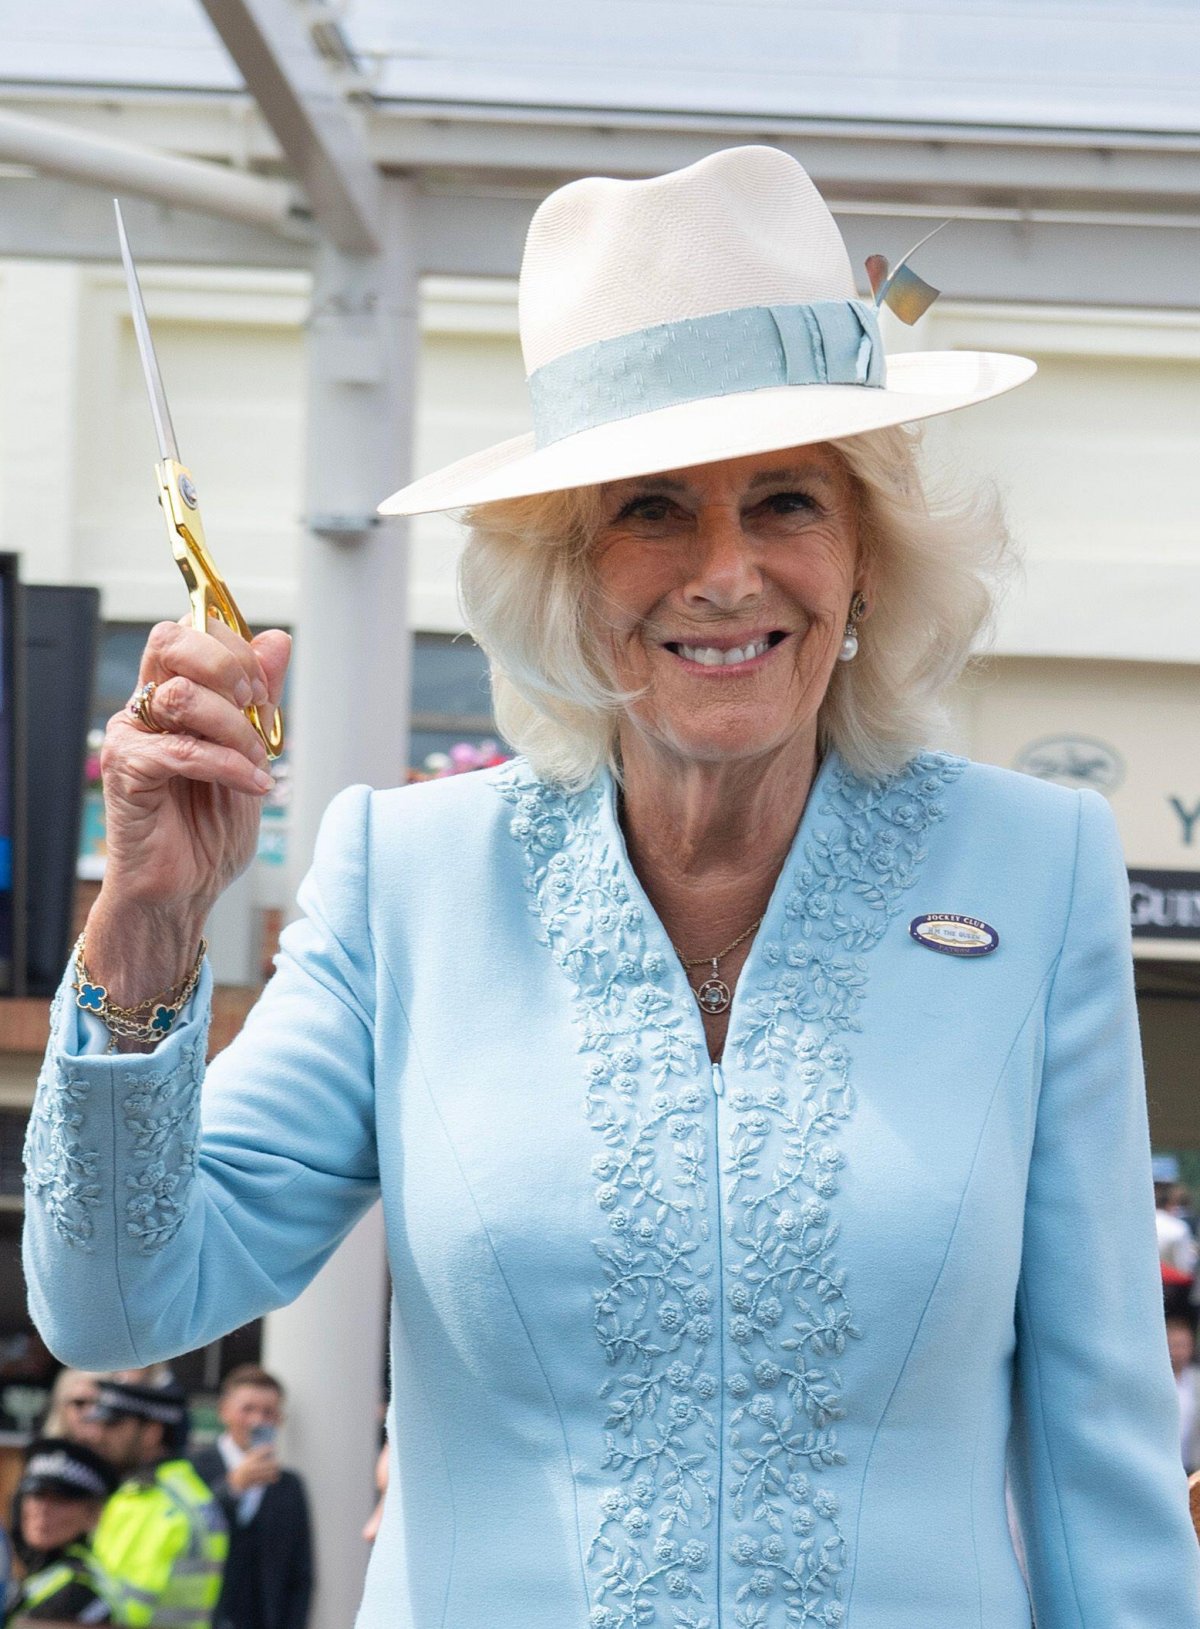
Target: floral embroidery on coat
x,y
60,1169
786,1317
160,1117
162,1122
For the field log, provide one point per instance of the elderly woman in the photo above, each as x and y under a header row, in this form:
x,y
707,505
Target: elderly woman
x,y
754,1095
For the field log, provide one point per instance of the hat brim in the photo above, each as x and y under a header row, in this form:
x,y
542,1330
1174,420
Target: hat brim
x,y
920,385
61,1490
105,1414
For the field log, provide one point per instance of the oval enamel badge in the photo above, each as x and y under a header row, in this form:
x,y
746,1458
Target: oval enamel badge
x,y
954,935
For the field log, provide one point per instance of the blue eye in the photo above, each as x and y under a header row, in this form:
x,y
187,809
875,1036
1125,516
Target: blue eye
x,y
647,507
787,503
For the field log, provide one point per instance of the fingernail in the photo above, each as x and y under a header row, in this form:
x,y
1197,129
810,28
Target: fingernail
x,y
242,693
263,781
261,694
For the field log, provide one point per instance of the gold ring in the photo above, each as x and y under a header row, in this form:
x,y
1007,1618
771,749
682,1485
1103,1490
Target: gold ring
x,y
139,707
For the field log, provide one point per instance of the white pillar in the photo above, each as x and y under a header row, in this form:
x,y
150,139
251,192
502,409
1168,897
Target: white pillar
x,y
349,722
327,1348
351,681
232,931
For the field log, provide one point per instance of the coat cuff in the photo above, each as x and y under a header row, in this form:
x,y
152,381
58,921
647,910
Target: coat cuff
x,y
135,1113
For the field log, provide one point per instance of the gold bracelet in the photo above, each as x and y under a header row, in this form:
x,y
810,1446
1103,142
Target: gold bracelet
x,y
150,1020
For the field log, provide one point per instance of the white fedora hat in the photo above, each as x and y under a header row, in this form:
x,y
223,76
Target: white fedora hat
x,y
705,314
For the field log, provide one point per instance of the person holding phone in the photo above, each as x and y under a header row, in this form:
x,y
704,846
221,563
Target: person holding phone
x,y
269,1574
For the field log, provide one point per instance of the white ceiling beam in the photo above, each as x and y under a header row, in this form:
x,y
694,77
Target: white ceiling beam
x,y
887,160
516,148
97,160
538,146
999,257
302,94
225,126
1043,215
45,219
465,234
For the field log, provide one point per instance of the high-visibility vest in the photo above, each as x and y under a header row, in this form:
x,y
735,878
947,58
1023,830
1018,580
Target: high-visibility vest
x,y
69,1589
162,1543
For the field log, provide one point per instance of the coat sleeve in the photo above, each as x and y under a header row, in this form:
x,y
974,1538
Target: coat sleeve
x,y
148,1234
1095,1463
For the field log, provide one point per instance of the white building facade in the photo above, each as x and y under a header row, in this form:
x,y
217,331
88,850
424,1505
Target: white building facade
x,y
1064,143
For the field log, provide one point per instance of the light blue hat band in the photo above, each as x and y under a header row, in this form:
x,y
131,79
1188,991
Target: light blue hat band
x,y
827,342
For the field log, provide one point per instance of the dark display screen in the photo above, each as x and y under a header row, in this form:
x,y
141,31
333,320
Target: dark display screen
x,y
8,771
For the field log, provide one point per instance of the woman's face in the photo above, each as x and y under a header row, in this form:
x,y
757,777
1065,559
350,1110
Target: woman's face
x,y
723,596
49,1521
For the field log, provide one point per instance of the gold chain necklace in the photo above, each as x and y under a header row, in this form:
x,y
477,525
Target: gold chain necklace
x,y
714,995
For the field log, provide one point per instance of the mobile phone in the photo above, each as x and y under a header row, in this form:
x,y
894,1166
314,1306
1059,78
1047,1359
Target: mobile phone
x,y
262,1436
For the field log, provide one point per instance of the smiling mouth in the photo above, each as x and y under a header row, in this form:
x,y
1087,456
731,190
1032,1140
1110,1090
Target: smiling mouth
x,y
725,655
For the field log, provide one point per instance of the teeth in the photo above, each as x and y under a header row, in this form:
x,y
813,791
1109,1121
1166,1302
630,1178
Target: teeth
x,y
710,656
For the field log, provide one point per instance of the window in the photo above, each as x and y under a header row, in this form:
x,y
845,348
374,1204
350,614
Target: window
x,y
451,697
451,706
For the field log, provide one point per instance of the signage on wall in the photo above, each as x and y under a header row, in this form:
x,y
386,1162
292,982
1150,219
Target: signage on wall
x,y
1188,816
1164,904
1073,760
1080,760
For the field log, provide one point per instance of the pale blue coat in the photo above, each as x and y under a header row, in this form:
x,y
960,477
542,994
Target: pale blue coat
x,y
676,1346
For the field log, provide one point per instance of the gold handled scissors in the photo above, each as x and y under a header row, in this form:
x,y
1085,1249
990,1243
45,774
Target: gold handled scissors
x,y
207,589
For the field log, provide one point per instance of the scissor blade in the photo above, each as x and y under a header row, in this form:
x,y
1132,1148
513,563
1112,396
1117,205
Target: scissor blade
x,y
163,428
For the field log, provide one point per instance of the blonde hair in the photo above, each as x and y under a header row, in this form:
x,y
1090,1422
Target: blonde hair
x,y
932,554
58,1423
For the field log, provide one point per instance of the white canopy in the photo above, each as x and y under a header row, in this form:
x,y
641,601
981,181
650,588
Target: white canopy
x,y
1059,64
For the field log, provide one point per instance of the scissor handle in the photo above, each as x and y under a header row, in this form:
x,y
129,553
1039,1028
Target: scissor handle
x,y
208,592
214,600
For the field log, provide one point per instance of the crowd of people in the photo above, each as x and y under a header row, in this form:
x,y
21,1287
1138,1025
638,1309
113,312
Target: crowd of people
x,y
116,1520
1179,1261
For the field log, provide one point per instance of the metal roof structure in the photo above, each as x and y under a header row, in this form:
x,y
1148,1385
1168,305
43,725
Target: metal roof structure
x,y
1065,64
1067,134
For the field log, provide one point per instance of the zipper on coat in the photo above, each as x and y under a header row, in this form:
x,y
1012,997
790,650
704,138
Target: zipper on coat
x,y
718,1086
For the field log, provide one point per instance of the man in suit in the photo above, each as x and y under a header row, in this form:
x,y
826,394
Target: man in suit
x,y
269,1574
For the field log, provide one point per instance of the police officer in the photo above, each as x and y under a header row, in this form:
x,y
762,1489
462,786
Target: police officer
x,y
57,1505
162,1540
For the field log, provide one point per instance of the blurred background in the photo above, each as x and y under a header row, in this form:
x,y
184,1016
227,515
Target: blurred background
x,y
327,203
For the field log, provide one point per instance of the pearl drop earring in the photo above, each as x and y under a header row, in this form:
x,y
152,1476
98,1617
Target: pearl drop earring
x,y
849,650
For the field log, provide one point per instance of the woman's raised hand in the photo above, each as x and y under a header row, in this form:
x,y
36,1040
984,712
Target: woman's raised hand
x,y
182,807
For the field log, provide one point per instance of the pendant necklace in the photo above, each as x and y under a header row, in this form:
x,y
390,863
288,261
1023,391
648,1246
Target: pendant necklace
x,y
714,995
